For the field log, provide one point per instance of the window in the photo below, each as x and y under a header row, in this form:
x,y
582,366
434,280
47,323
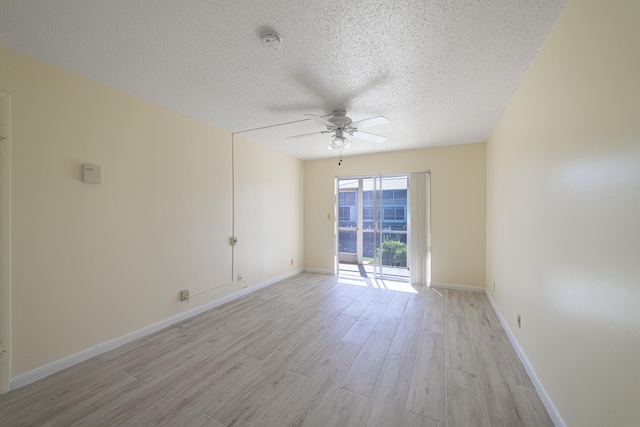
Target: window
x,y
394,213
394,197
367,213
347,198
344,213
367,198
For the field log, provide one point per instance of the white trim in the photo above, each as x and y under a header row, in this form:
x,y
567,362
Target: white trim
x,y
64,363
546,400
458,287
319,271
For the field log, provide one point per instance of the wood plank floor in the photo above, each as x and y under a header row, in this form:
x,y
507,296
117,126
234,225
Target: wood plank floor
x,y
312,350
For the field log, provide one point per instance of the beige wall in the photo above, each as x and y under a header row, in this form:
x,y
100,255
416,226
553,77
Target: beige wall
x,y
457,207
94,262
563,211
268,214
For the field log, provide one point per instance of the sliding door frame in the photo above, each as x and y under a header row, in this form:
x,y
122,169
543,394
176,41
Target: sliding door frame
x,y
378,218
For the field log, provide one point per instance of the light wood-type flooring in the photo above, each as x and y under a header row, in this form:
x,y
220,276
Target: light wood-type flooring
x,y
312,350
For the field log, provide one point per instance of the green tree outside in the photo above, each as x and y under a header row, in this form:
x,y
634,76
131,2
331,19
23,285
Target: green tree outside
x,y
394,253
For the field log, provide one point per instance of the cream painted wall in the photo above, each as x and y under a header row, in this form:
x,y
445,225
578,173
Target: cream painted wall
x,y
94,262
563,211
268,214
457,207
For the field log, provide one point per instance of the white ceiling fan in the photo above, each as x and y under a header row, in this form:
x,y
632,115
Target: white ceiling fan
x,y
343,127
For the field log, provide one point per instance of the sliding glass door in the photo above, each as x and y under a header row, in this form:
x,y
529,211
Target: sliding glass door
x,y
373,224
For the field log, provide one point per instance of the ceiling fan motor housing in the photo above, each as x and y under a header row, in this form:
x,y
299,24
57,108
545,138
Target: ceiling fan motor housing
x,y
340,119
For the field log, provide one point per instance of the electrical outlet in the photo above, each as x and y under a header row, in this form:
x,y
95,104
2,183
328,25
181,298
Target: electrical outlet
x,y
184,295
240,279
291,261
519,321
494,286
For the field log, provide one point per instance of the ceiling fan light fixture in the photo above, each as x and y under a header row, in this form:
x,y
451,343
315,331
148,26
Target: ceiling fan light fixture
x,y
339,140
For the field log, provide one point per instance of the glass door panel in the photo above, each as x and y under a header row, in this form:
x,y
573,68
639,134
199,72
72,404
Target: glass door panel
x,y
348,221
393,224
369,222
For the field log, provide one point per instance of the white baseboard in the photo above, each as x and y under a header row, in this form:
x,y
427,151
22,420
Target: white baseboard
x,y
272,281
319,271
66,362
458,287
546,400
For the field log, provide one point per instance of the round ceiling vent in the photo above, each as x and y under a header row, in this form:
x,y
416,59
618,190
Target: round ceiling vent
x,y
271,40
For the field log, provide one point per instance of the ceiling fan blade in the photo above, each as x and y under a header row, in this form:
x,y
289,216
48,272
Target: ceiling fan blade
x,y
320,120
307,134
373,121
369,136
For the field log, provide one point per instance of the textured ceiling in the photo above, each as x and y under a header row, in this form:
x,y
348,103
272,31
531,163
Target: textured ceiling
x,y
442,70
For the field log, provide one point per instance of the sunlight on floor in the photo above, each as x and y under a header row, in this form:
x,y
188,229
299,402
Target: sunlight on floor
x,y
353,281
392,285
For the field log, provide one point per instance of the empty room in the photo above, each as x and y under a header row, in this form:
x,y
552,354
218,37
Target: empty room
x,y
373,213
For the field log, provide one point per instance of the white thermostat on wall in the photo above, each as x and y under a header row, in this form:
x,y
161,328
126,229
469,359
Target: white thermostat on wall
x,y
91,174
